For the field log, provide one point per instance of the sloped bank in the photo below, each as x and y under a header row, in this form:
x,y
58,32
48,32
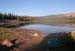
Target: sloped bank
x,y
31,40
24,39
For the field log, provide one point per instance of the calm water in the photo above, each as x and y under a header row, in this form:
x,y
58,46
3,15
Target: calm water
x,y
48,29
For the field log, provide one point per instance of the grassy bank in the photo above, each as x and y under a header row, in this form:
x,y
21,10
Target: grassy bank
x,y
6,34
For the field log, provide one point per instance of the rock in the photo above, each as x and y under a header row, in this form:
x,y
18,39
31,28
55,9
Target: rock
x,y
56,40
36,34
7,43
73,35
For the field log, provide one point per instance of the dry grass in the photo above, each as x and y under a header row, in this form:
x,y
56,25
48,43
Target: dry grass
x,y
5,34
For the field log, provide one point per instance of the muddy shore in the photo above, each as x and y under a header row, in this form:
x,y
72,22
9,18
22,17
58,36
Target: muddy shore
x,y
31,40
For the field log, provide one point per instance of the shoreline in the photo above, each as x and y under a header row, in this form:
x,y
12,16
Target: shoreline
x,y
31,39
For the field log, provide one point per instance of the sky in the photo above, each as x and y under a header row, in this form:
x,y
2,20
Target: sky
x,y
37,7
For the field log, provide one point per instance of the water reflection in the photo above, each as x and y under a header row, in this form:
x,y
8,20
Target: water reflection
x,y
48,29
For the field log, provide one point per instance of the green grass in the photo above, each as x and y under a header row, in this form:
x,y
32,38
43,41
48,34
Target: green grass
x,y
5,34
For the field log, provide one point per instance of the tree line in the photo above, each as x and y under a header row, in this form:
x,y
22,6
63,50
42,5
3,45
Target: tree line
x,y
9,16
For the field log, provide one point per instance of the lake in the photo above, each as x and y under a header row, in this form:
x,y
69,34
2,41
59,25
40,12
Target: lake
x,y
48,29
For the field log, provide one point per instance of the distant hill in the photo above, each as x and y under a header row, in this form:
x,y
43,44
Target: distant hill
x,y
56,19
61,15
70,14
